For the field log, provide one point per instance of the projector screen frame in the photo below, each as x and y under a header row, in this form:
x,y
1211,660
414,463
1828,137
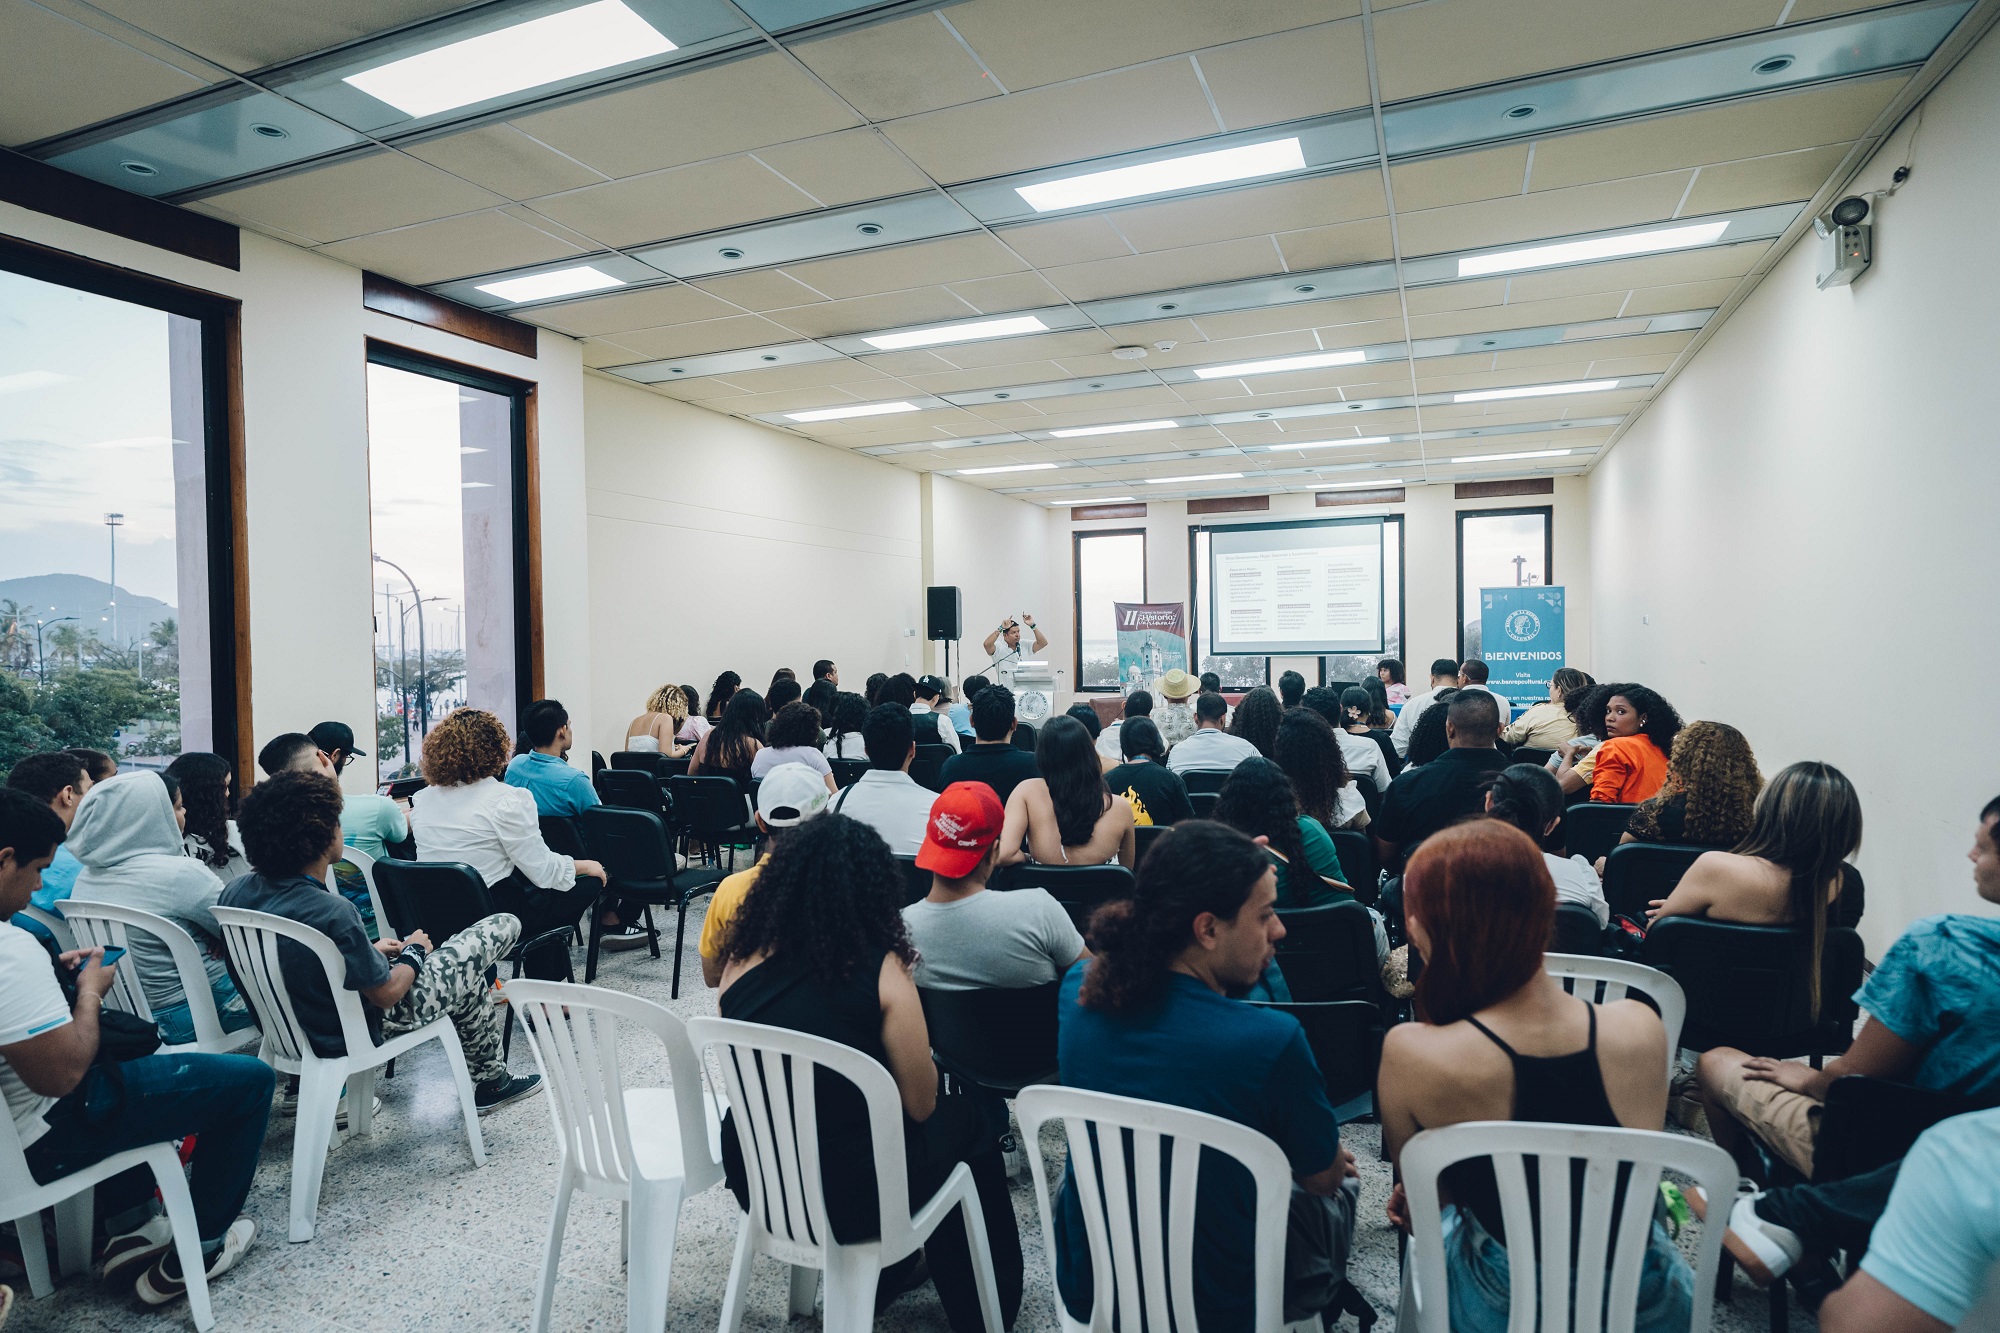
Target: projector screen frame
x,y
1347,520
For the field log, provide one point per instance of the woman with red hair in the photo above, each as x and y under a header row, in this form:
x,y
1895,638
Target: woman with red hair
x,y
1499,1039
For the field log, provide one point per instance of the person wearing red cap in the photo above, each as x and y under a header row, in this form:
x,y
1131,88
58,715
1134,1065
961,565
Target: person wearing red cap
x,y
967,938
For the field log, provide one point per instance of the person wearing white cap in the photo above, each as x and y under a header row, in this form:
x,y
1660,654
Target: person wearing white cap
x,y
789,795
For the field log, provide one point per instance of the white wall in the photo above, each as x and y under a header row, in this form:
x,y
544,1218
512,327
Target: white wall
x,y
1798,538
995,549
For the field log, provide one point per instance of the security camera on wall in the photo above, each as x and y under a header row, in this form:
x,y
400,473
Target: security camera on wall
x,y
1846,241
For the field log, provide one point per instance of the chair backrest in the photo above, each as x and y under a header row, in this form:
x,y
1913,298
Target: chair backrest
x,y
847,772
706,806
770,1075
1636,873
1603,980
672,767
1870,1122
439,898
1001,1038
1080,889
1203,802
563,835
632,789
1371,795
253,941
1328,953
365,864
1530,754
639,761
1748,986
1346,1041
632,844
1143,837
1576,931
1359,862
55,925
1542,1281
916,880
1204,780
927,768
104,925
1142,1251
1591,830
574,1033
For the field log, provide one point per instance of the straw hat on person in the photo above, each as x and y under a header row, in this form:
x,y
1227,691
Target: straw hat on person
x,y
1177,684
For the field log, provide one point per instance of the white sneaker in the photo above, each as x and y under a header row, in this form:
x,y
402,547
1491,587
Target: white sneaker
x,y
160,1285
1765,1250
127,1255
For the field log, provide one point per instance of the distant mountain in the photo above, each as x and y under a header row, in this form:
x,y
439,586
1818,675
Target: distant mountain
x,y
85,598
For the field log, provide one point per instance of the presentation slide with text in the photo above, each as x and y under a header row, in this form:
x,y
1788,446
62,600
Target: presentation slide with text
x,y
1296,588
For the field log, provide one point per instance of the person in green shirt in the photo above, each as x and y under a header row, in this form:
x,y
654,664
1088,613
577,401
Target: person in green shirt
x,y
1258,800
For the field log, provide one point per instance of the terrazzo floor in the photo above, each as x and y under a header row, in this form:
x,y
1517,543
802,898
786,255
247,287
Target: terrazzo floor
x,y
412,1236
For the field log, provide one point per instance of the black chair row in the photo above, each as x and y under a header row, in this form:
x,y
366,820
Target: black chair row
x,y
1080,889
650,761
1592,830
926,768
847,772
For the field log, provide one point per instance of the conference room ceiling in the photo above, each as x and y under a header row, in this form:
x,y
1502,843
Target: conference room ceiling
x,y
790,179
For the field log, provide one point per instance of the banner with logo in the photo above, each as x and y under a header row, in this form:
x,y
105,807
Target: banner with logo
x,y
1521,640
1152,640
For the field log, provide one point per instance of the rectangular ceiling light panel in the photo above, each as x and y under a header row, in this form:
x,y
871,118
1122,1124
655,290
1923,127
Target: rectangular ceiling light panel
x,y
1310,361
1326,444
1174,173
1007,467
857,410
1206,476
545,286
938,336
1372,481
1535,391
1594,248
1122,428
528,55
1508,458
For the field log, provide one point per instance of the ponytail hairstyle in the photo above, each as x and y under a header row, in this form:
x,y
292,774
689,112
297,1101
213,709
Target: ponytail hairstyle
x,y
1808,820
1196,866
1528,797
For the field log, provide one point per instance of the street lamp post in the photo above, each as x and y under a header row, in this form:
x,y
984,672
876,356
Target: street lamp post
x,y
41,660
423,670
114,522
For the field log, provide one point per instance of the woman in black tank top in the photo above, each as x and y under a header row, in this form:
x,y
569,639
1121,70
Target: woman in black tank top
x,y
1500,1040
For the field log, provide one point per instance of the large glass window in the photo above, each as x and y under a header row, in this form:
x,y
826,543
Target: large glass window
x,y
441,478
1497,548
1346,668
116,490
1109,567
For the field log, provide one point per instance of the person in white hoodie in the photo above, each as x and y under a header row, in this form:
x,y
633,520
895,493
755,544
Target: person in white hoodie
x,y
126,837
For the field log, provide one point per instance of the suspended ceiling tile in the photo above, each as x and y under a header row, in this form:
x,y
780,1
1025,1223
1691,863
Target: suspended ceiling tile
x,y
900,267
1107,113
710,335
1295,342
355,196
248,34
844,168
1682,296
1066,240
1207,392
1101,363
1302,315
1612,366
761,289
1763,180
1447,44
1526,315
453,248
910,364
598,352
506,161
1317,384
1008,291
1805,11
680,202
851,376
1476,363
986,377
59,75
1330,247
648,308
1022,414
1461,178
1038,347
898,68
1647,344
1528,217
1254,211
1291,76
1196,264
1456,296
869,314
688,117
1161,330
1725,261
788,400
1470,381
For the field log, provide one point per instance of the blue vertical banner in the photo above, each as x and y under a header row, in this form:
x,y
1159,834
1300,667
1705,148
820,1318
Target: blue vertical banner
x,y
1521,640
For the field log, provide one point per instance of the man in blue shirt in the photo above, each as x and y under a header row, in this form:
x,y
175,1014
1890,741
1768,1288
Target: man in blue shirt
x,y
1149,1017
58,780
545,770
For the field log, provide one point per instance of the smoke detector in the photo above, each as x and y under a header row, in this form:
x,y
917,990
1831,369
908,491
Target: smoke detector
x,y
1129,353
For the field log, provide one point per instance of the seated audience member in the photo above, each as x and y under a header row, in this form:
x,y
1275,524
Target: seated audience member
x,y
792,738
1210,749
1640,728
1788,869
871,690
337,739
1257,801
731,745
1472,675
825,670
1291,689
887,798
1310,753
1155,792
1174,713
697,723
1444,676
468,814
1210,683
1256,719
1710,792
782,673
993,758
543,770
1149,1017
960,713
1390,672
1497,1038
924,698
784,801
72,1111
784,690
843,727
291,824
820,947
1527,796
95,762
1366,751
1576,758
58,780
208,790
1547,724
719,694
1427,798
1933,1006
1428,739
368,823
1139,703
666,716
819,697
1378,717
127,841
967,938
1086,715
1066,816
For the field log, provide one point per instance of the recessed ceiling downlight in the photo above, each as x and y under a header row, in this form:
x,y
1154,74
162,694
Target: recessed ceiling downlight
x,y
140,168
271,131
1774,65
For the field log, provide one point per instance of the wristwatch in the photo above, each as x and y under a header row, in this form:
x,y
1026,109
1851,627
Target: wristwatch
x,y
414,955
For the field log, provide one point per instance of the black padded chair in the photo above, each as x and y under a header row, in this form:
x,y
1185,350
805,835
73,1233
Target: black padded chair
x,y
926,770
710,810
1346,1041
1591,830
1328,953
1576,931
563,835
1749,986
597,764
1000,1039
639,761
638,857
1529,754
1636,873
673,768
1204,803
1143,837
847,772
1359,863
1371,796
1871,1122
916,881
1080,889
1204,780
631,790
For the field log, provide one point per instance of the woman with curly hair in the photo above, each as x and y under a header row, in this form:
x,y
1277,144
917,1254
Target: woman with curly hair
x,y
1256,719
1639,729
1310,753
1427,738
1258,801
1710,793
468,814
666,713
819,946
1548,724
1575,760
793,738
1394,684
843,727
725,685
1067,816
208,791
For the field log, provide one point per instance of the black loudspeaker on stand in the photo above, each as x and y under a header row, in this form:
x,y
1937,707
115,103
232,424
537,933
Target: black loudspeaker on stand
x,y
944,614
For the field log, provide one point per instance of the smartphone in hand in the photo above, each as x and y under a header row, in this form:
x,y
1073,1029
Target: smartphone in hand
x,y
110,959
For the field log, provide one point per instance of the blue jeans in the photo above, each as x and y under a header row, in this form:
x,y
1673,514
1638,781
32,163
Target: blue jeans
x,y
1476,1271
176,1021
224,1100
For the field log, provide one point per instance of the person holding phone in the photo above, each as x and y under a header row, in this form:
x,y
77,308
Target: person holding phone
x,y
1004,646
71,1112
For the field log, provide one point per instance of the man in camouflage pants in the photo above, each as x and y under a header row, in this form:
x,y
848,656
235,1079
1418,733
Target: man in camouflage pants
x,y
290,826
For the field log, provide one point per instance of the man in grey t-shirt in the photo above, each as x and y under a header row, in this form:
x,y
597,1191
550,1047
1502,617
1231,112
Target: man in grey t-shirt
x,y
966,937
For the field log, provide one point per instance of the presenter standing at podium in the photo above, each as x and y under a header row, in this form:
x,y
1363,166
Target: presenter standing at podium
x,y
1004,644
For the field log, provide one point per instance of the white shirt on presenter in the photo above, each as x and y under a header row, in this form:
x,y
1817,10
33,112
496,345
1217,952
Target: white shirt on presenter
x,y
1004,644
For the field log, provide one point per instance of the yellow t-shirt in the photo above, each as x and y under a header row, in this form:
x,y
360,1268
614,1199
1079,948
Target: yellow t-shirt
x,y
722,908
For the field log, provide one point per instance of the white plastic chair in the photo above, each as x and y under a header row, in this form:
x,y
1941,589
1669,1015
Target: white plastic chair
x,y
779,1132
1425,1304
365,863
253,940
648,1148
1162,1244
22,1201
55,925
1615,978
108,924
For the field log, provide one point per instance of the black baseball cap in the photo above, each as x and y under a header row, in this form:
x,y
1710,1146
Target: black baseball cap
x,y
331,736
